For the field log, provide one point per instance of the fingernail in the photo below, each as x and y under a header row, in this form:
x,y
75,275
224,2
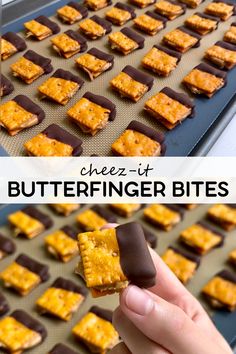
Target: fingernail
x,y
138,301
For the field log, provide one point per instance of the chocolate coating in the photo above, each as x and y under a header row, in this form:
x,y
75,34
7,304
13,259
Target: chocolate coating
x,y
4,307
130,9
139,76
227,275
101,312
102,22
53,26
135,259
78,38
208,17
226,45
233,24
70,231
144,129
171,52
6,86
104,213
14,39
62,283
6,245
192,34
180,97
157,17
103,102
61,349
80,8
212,70
191,257
211,228
30,106
150,237
44,63
29,322
67,75
40,269
37,214
53,131
101,55
128,32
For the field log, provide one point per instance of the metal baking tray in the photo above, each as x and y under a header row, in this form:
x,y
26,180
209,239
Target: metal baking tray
x,y
194,136
60,331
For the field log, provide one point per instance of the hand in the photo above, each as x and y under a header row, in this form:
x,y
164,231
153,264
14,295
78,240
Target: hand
x,y
165,319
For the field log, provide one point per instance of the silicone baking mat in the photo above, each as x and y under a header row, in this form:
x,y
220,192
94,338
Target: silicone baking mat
x,y
180,141
59,331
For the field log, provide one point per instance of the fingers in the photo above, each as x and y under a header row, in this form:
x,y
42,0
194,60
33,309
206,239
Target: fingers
x,y
136,342
120,349
162,322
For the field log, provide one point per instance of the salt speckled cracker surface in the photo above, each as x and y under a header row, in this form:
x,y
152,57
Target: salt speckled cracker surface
x,y
126,110
59,331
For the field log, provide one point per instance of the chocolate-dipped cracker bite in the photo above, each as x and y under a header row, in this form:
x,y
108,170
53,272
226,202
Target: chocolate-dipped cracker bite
x,y
54,141
126,40
41,28
230,35
182,39
170,8
109,259
61,349
205,80
202,23
96,5
62,299
220,291
24,274
132,83
165,216
25,112
95,62
69,43
161,60
182,264
142,3
4,307
192,3
95,27
201,238
126,210
222,54
221,8
31,66
6,87
120,14
7,246
139,140
96,331
150,22
61,86
92,113
11,43
64,208
232,257
223,215
19,332
95,218
72,12
29,222
62,244
169,107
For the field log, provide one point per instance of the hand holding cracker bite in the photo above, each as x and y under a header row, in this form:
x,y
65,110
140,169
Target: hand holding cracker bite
x,y
109,259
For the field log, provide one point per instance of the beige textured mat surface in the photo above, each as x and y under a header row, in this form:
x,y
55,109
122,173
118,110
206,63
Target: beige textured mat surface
x,y
126,110
60,331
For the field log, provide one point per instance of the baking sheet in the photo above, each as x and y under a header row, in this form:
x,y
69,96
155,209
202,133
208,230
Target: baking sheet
x,y
59,331
180,141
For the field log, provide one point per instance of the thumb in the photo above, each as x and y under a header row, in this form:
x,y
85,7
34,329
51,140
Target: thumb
x,y
162,322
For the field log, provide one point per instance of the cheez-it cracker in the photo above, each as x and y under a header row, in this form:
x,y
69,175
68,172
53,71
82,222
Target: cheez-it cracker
x,y
230,35
41,28
69,43
120,14
142,3
107,263
96,331
164,216
65,209
202,23
72,12
222,54
96,5
95,27
182,39
95,218
170,8
126,40
150,22
223,215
